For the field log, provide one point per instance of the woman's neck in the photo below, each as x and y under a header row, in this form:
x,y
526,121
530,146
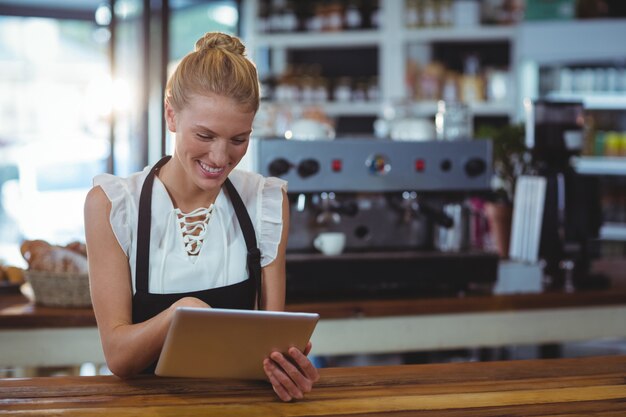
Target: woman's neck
x,y
185,194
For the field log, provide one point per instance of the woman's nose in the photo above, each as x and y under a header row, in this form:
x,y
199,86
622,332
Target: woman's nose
x,y
219,153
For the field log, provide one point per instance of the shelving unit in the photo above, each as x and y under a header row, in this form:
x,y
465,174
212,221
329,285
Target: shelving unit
x,y
391,41
605,166
333,108
461,34
613,231
579,44
564,43
600,165
593,100
302,40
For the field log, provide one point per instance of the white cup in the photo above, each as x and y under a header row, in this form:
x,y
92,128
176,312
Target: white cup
x,y
330,243
308,129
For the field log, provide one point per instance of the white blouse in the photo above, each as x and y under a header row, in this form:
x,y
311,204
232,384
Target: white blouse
x,y
221,248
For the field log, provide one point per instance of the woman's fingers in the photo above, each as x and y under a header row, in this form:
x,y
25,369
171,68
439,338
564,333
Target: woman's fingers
x,y
293,376
305,364
297,381
284,380
269,369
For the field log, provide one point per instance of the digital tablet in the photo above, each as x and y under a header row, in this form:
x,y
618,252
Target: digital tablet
x,y
224,343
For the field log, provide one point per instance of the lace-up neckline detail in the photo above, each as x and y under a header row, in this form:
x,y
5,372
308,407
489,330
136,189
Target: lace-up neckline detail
x,y
193,227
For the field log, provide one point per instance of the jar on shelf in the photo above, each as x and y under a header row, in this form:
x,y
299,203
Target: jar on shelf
x,y
334,17
373,90
343,89
444,13
353,18
453,121
412,14
429,13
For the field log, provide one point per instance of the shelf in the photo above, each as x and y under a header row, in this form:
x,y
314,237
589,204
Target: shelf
x,y
306,40
429,108
600,165
462,34
331,108
613,231
420,109
575,41
593,101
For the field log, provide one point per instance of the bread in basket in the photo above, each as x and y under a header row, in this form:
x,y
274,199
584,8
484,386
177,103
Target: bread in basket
x,y
57,274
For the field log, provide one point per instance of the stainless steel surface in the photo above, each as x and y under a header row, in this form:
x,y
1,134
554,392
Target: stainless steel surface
x,y
457,237
382,194
374,165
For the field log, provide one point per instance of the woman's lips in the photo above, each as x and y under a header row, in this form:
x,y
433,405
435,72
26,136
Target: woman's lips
x,y
208,171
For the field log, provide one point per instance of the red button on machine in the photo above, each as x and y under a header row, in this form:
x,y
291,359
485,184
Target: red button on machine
x,y
420,165
336,165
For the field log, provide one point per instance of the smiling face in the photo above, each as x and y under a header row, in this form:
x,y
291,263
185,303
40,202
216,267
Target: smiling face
x,y
212,135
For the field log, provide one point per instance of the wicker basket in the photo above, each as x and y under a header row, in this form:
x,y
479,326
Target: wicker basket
x,y
57,289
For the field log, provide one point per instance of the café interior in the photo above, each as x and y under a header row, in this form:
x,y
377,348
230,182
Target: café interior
x,y
456,171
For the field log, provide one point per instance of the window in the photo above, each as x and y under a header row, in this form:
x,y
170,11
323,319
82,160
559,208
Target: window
x,y
54,126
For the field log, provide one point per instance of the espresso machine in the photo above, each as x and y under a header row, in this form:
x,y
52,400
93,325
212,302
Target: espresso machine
x,y
388,198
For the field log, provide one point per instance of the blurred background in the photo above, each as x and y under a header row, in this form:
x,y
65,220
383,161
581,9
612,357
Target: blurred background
x,y
82,84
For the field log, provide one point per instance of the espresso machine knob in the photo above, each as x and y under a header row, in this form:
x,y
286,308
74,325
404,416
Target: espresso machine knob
x,y
279,167
308,167
475,167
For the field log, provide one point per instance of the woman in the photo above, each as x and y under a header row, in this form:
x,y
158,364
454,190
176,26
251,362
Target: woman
x,y
176,234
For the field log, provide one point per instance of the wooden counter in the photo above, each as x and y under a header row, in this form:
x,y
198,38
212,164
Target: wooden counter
x,y
561,387
32,336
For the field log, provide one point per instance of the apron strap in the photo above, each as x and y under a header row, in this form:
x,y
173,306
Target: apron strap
x,y
254,254
144,221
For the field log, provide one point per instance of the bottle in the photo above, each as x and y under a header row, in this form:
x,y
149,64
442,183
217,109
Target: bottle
x,y
373,91
289,18
343,90
472,85
412,14
445,17
352,16
334,16
263,21
375,17
317,18
276,16
429,13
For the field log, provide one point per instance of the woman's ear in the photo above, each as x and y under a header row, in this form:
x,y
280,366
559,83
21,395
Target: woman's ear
x,y
170,116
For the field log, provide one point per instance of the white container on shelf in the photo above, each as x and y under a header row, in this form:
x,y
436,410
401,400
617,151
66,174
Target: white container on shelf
x,y
466,13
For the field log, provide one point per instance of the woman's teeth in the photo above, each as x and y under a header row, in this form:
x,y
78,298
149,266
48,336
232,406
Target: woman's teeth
x,y
210,169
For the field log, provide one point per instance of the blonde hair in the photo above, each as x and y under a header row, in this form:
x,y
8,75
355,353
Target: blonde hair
x,y
218,65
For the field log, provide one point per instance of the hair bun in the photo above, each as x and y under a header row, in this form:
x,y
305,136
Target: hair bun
x,y
217,40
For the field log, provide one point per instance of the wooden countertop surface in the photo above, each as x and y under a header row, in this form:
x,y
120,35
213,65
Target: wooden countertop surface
x,y
559,387
16,312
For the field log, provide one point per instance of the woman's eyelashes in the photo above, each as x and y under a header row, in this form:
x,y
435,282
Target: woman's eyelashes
x,y
209,137
239,141
204,136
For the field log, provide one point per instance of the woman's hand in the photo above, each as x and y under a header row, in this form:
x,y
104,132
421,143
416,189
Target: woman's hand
x,y
291,377
189,302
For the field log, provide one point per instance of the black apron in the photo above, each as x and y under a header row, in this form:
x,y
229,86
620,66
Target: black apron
x,y
237,296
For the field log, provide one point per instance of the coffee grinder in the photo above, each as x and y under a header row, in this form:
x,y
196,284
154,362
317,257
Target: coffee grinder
x,y
572,213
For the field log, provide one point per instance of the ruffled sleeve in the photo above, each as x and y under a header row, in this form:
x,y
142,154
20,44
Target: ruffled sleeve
x,y
119,195
270,220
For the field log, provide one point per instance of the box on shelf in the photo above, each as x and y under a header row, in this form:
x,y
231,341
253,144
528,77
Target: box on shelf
x,y
550,10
